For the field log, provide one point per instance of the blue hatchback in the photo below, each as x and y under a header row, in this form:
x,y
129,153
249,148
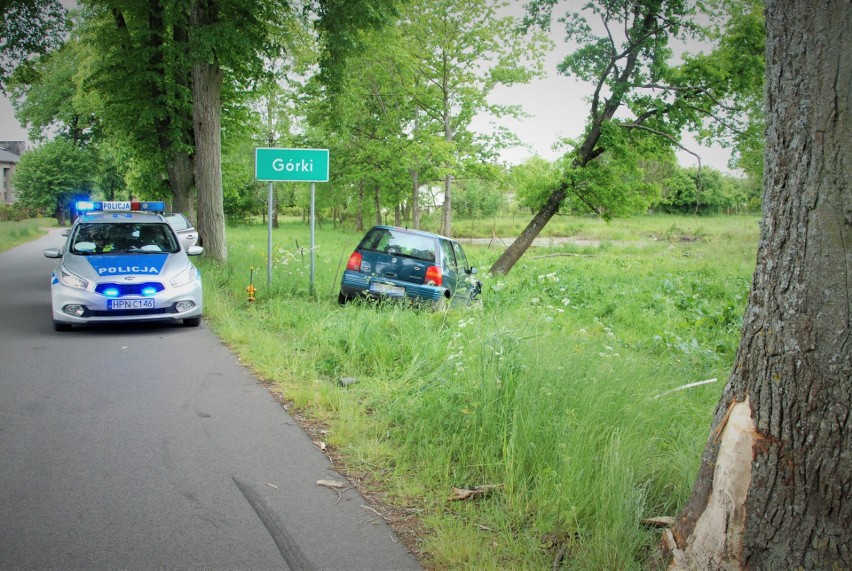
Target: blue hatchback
x,y
421,267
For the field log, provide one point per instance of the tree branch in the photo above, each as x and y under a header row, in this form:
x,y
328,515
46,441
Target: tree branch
x,y
666,136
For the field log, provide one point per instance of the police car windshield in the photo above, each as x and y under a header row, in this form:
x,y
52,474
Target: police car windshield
x,y
126,238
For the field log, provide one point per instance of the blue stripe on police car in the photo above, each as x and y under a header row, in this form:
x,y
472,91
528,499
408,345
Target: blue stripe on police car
x,y
111,265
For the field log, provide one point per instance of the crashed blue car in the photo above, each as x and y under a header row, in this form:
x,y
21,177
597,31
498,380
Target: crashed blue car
x,y
403,264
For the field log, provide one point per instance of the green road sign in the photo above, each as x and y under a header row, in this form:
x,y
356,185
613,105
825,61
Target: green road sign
x,y
291,165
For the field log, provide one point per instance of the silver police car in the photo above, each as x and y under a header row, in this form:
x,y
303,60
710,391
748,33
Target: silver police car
x,y
123,262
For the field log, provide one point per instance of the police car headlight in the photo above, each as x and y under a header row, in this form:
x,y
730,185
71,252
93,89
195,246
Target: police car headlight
x,y
184,277
70,280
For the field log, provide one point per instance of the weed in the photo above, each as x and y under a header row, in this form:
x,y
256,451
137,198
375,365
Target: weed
x,y
547,390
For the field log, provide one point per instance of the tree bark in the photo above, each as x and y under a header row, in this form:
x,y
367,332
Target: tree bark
x,y
377,203
359,216
206,111
179,169
415,198
773,489
447,216
516,249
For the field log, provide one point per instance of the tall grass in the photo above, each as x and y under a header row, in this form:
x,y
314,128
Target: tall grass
x,y
552,390
15,233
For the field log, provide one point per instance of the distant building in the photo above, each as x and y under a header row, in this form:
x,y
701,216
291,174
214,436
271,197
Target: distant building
x,y
10,155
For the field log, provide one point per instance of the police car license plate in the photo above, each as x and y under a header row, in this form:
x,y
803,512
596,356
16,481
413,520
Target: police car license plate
x,y
387,289
124,304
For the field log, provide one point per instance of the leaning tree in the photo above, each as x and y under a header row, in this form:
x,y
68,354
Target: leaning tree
x,y
774,489
642,100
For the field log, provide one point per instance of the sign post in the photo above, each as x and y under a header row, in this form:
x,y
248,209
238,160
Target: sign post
x,y
290,165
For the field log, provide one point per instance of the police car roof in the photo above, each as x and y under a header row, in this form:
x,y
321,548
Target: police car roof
x,y
101,217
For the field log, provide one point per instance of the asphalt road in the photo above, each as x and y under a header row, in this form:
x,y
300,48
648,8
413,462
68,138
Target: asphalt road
x,y
150,447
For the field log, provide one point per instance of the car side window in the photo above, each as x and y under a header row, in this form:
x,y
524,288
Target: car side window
x,y
461,259
449,256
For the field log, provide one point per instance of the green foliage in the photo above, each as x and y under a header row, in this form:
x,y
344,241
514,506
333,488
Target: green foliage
x,y
28,28
552,390
340,26
46,96
534,180
137,66
737,66
476,198
400,108
48,175
705,191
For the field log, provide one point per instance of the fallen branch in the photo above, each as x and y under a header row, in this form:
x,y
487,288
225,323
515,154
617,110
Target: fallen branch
x,y
473,493
338,487
333,484
557,561
662,521
689,386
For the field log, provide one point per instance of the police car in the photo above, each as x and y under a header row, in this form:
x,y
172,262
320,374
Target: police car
x,y
123,262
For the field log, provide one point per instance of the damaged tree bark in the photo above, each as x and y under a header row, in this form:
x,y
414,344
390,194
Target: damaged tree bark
x,y
773,489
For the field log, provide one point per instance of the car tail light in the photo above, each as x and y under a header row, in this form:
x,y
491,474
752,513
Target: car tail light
x,y
434,276
354,262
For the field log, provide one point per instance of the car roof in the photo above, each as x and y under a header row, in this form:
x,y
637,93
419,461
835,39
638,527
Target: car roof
x,y
106,217
413,231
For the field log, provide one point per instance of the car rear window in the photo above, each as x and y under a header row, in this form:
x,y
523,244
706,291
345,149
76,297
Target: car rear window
x,y
397,242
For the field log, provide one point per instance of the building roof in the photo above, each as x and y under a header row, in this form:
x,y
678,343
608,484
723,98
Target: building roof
x,y
7,157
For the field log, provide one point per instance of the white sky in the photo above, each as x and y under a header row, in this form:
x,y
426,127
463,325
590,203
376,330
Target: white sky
x,y
555,104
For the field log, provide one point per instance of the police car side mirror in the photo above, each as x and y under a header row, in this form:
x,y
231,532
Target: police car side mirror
x,y
66,232
195,251
53,253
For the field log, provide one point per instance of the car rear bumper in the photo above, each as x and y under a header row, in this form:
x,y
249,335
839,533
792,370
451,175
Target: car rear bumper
x,y
355,284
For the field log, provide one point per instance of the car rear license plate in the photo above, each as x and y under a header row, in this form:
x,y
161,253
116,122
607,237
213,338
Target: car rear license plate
x,y
387,289
125,304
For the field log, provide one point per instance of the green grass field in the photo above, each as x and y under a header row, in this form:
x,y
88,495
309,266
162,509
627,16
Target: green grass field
x,y
16,233
552,391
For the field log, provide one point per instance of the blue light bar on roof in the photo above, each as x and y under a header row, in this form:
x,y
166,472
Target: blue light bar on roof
x,y
90,206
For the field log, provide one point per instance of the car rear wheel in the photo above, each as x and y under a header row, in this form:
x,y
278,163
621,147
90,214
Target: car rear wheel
x,y
192,321
342,298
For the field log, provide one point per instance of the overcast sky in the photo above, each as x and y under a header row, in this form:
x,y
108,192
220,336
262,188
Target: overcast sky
x,y
555,104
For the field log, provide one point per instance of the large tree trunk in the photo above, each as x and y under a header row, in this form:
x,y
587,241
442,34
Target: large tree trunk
x,y
181,181
359,216
773,489
179,170
206,112
377,203
447,216
522,243
415,198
